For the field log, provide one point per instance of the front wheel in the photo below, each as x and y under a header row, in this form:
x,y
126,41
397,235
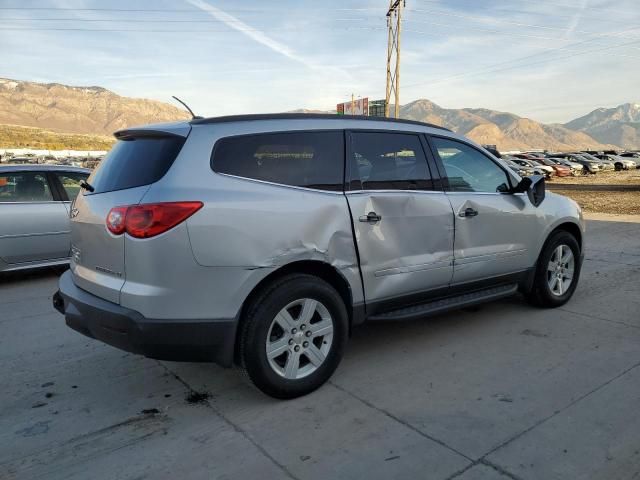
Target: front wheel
x,y
293,336
557,271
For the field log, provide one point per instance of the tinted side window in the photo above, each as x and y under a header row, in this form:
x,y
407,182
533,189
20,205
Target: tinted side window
x,y
71,182
468,170
134,162
301,159
24,187
385,161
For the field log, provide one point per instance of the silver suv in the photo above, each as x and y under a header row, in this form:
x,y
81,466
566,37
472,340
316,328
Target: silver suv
x,y
262,240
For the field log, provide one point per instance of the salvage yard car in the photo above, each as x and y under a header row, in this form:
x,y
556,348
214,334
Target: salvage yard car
x,y
620,163
262,240
35,203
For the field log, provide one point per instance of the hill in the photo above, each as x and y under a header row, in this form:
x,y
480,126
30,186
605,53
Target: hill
x,y
61,108
619,125
65,109
15,136
506,130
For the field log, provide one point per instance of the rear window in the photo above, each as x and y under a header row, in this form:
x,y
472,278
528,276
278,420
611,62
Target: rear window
x,y
134,162
301,159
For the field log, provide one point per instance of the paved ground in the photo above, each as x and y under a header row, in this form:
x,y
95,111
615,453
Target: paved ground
x,y
506,391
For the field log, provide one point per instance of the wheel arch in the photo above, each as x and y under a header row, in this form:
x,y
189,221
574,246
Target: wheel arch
x,y
571,228
567,226
317,268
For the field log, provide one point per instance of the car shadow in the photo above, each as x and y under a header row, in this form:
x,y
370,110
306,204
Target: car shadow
x,y
25,276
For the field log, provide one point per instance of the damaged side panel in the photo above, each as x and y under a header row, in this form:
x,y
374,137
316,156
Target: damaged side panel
x,y
410,249
282,225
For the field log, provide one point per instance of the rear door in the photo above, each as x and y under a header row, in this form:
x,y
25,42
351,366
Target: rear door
x,y
35,224
135,162
403,225
493,230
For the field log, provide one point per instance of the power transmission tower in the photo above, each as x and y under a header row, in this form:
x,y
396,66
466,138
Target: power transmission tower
x,y
394,15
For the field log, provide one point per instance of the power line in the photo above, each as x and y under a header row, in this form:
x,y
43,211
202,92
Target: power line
x,y
493,70
562,5
97,30
497,20
517,34
172,10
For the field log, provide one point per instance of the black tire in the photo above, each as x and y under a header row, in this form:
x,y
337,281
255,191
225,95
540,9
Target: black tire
x,y
257,323
618,167
540,293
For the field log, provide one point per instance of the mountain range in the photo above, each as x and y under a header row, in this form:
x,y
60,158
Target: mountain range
x,y
98,111
619,125
91,110
506,130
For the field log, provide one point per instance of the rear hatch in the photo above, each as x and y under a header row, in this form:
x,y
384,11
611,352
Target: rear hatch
x,y
139,158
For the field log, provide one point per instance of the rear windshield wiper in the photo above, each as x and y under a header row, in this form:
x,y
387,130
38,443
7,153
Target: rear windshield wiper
x,y
87,186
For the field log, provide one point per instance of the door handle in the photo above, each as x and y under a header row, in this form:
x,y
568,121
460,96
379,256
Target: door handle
x,y
371,217
468,212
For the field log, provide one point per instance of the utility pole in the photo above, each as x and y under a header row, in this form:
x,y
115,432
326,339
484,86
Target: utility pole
x,y
394,18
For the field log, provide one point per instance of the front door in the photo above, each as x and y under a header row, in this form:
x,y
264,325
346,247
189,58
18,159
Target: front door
x,y
403,227
494,229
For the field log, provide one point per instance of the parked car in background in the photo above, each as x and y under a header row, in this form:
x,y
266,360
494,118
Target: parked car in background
x,y
264,239
521,170
588,166
635,156
620,163
576,168
20,160
35,205
538,168
559,169
604,163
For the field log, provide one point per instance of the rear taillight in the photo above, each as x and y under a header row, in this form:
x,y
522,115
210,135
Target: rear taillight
x,y
115,220
149,220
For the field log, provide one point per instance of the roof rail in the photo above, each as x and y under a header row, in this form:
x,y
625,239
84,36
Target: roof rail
x,y
306,116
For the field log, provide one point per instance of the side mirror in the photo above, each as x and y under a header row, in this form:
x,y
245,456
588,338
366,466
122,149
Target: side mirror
x,y
534,186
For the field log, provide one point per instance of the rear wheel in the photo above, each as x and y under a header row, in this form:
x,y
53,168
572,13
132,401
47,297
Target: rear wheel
x,y
293,336
557,271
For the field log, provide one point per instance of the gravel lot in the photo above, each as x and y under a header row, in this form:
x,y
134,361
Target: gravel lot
x,y
626,203
497,392
625,177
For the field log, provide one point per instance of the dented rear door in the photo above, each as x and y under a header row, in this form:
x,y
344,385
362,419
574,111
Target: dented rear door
x,y
404,228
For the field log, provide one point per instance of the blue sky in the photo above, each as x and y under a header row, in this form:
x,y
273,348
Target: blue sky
x,y
550,60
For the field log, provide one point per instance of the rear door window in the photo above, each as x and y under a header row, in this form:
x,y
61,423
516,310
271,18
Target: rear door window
x,y
70,181
388,161
136,161
24,187
301,159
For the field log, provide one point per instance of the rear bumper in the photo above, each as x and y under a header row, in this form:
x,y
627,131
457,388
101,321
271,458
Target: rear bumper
x,y
210,340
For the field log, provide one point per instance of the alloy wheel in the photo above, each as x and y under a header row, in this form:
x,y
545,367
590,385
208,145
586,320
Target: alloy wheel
x,y
560,270
299,338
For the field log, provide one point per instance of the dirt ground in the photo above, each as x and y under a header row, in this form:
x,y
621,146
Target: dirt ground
x,y
624,177
627,203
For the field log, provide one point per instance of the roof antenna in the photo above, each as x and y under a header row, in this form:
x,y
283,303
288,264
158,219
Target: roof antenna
x,y
193,115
